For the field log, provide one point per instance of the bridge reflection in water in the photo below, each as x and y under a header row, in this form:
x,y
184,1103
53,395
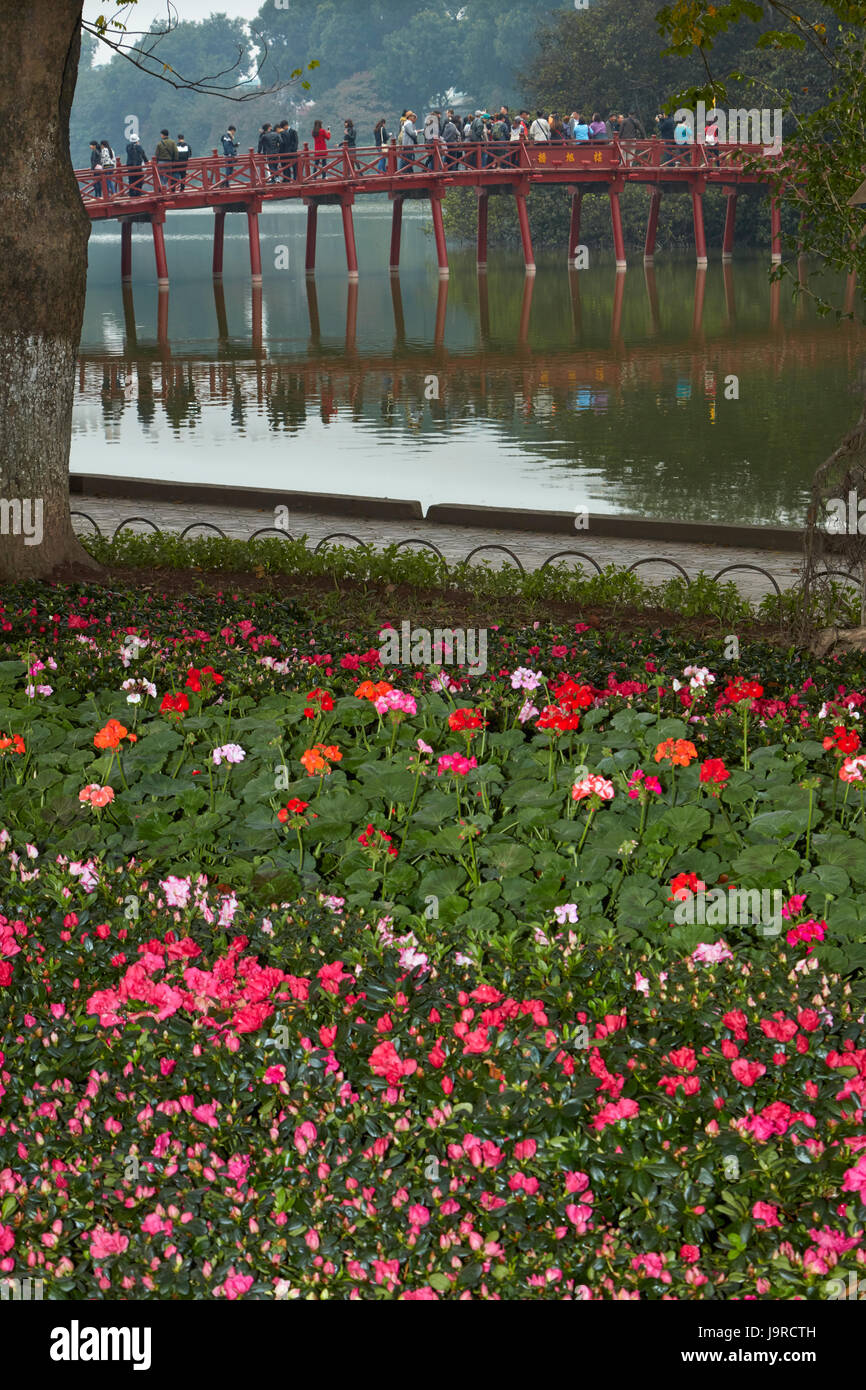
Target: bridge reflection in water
x,y
207,364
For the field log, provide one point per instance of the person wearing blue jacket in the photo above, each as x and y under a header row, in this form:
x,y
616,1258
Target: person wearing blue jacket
x,y
230,150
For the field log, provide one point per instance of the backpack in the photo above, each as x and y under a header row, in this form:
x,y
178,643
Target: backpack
x,y
108,159
499,131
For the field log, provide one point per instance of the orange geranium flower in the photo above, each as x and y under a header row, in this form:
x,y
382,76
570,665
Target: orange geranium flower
x,y
319,758
373,690
677,751
112,734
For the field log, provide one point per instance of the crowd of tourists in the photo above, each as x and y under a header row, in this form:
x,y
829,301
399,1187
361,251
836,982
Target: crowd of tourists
x,y
461,139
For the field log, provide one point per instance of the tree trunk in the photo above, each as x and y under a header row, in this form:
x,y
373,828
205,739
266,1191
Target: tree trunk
x,y
43,254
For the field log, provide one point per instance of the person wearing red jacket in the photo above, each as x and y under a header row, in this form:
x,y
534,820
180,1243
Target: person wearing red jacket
x,y
321,136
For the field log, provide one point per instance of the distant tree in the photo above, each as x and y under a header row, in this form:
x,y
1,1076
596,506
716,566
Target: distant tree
x,y
43,241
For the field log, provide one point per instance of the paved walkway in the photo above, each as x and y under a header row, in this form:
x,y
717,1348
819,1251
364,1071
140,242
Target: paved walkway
x,y
456,542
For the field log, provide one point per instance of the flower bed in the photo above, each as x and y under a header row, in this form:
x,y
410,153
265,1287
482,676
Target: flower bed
x,y
323,975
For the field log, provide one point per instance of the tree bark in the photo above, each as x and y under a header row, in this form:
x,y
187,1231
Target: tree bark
x,y
43,254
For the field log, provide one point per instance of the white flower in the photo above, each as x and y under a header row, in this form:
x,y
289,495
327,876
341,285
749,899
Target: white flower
x,y
136,689
232,752
525,679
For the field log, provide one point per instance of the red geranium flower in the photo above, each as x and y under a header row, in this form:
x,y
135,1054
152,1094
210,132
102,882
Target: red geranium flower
x,y
740,689
842,740
465,721
714,770
175,704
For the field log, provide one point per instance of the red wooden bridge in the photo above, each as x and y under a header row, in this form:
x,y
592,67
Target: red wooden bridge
x,y
246,182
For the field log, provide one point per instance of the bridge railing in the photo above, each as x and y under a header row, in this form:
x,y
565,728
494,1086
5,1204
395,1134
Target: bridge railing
x,y
251,173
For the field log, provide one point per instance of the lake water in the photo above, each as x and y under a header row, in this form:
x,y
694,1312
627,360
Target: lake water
x,y
703,396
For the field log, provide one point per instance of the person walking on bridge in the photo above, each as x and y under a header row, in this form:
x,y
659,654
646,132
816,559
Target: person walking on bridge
x,y
183,154
230,150
109,163
288,151
380,140
270,144
165,155
451,139
96,166
539,131
321,136
408,141
630,130
519,135
135,159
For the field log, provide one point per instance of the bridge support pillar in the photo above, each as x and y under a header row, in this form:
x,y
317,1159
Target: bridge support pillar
x,y
700,236
652,227
312,218
126,252
396,233
525,235
616,224
219,226
574,227
255,246
481,247
730,224
159,252
349,237
775,232
439,234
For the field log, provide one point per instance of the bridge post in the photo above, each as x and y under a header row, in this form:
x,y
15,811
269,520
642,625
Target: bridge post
x,y
616,315
255,245
616,224
441,310
312,217
125,252
219,225
156,227
525,235
698,219
698,310
346,201
652,226
439,233
574,227
775,231
730,224
392,156
481,246
396,230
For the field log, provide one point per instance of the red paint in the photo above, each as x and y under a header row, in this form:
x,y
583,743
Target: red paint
x,y
219,225
574,228
481,247
730,226
349,238
698,218
652,225
439,234
775,230
159,252
126,250
616,225
396,231
525,235
312,218
255,246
